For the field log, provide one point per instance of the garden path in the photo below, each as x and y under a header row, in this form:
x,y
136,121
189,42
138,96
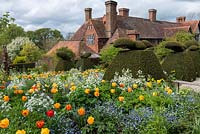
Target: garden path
x,y
195,85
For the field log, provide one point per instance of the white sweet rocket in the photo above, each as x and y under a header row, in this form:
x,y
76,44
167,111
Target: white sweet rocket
x,y
127,78
4,106
39,102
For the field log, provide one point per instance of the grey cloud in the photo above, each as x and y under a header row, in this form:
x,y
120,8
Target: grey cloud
x,y
68,15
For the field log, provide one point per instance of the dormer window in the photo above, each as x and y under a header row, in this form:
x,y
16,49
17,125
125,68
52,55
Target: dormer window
x,y
90,39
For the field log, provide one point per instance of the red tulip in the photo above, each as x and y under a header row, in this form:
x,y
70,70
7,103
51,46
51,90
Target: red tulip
x,y
40,124
50,113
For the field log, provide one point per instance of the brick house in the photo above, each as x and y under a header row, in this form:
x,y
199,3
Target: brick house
x,y
95,33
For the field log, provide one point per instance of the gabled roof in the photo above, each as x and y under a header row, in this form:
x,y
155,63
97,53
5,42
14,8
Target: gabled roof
x,y
171,31
193,23
79,35
76,47
73,45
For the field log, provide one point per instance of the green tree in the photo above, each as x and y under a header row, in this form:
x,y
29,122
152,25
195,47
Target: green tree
x,y
108,54
45,38
9,30
31,52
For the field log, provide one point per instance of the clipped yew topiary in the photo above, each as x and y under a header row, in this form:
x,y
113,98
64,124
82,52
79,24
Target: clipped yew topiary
x,y
175,46
193,48
135,60
147,43
65,53
125,43
64,65
191,43
195,55
182,64
87,63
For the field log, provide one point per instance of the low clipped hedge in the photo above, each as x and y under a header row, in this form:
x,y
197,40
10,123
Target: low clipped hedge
x,y
129,44
175,46
182,64
195,55
135,60
64,65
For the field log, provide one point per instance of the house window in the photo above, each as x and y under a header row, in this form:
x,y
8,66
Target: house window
x,y
89,27
90,39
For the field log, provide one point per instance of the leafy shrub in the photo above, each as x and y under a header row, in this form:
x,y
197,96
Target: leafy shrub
x,y
136,60
65,54
175,46
16,46
147,43
182,64
181,37
20,59
108,54
191,43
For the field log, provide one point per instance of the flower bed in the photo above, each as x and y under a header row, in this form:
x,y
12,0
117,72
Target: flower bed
x,y
77,102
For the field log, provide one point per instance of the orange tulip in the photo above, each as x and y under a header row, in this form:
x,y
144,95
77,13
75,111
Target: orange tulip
x,y
81,111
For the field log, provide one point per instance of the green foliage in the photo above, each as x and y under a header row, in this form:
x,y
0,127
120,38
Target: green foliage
x,y
65,54
20,59
182,64
9,30
161,52
130,44
22,46
108,54
181,37
175,46
191,43
31,52
45,38
146,61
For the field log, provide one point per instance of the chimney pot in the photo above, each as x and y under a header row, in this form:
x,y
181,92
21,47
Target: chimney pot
x,y
124,12
152,14
180,19
111,17
88,14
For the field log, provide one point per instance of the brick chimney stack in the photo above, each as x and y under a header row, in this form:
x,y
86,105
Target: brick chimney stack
x,y
88,14
124,12
180,19
152,14
111,17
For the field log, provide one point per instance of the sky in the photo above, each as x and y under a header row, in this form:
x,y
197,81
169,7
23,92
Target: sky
x,y
68,15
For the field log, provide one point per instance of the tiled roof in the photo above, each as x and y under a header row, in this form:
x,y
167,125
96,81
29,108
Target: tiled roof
x,y
76,47
193,23
79,35
171,31
99,28
73,45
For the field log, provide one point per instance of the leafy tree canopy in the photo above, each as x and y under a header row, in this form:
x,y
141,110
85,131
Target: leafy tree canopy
x,y
45,37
